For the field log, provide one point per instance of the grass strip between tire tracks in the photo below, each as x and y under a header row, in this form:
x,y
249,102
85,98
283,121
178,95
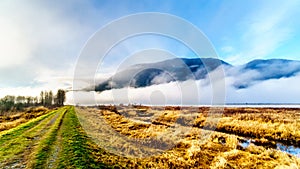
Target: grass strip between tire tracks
x,y
46,144
76,152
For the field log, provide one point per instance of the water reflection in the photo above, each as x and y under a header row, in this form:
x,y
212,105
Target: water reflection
x,y
279,146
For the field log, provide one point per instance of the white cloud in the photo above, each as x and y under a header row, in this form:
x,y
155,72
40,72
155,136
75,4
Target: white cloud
x,y
227,49
162,78
14,46
40,36
24,91
264,31
269,91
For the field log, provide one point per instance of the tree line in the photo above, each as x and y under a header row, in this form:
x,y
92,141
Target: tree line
x,y
46,98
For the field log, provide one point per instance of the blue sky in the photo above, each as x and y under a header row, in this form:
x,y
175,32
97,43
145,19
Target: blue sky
x,y
240,30
41,40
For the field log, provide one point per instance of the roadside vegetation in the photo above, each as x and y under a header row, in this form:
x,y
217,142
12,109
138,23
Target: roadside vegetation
x,y
15,110
11,121
10,104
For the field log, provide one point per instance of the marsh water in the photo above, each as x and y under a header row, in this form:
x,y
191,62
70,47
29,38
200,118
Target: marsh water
x,y
279,146
146,117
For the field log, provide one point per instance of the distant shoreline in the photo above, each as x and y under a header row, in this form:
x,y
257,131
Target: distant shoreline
x,y
227,105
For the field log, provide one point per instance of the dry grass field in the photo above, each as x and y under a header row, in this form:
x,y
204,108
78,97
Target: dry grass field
x,y
150,137
143,137
11,120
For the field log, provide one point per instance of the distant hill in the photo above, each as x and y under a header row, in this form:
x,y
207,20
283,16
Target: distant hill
x,y
182,69
142,75
260,70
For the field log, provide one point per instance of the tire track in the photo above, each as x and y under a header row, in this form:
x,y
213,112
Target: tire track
x,y
30,137
56,150
41,157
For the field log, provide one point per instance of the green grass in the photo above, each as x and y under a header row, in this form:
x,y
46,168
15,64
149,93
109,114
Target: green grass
x,y
46,144
54,140
14,141
76,152
14,132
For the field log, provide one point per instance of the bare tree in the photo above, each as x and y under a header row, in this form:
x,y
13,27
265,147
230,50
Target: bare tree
x,y
42,99
29,100
60,97
35,101
50,98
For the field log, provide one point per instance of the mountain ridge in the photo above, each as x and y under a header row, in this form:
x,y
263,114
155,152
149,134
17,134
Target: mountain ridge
x,y
182,69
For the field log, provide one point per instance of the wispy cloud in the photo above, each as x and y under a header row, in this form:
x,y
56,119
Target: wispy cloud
x,y
38,38
227,49
264,31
